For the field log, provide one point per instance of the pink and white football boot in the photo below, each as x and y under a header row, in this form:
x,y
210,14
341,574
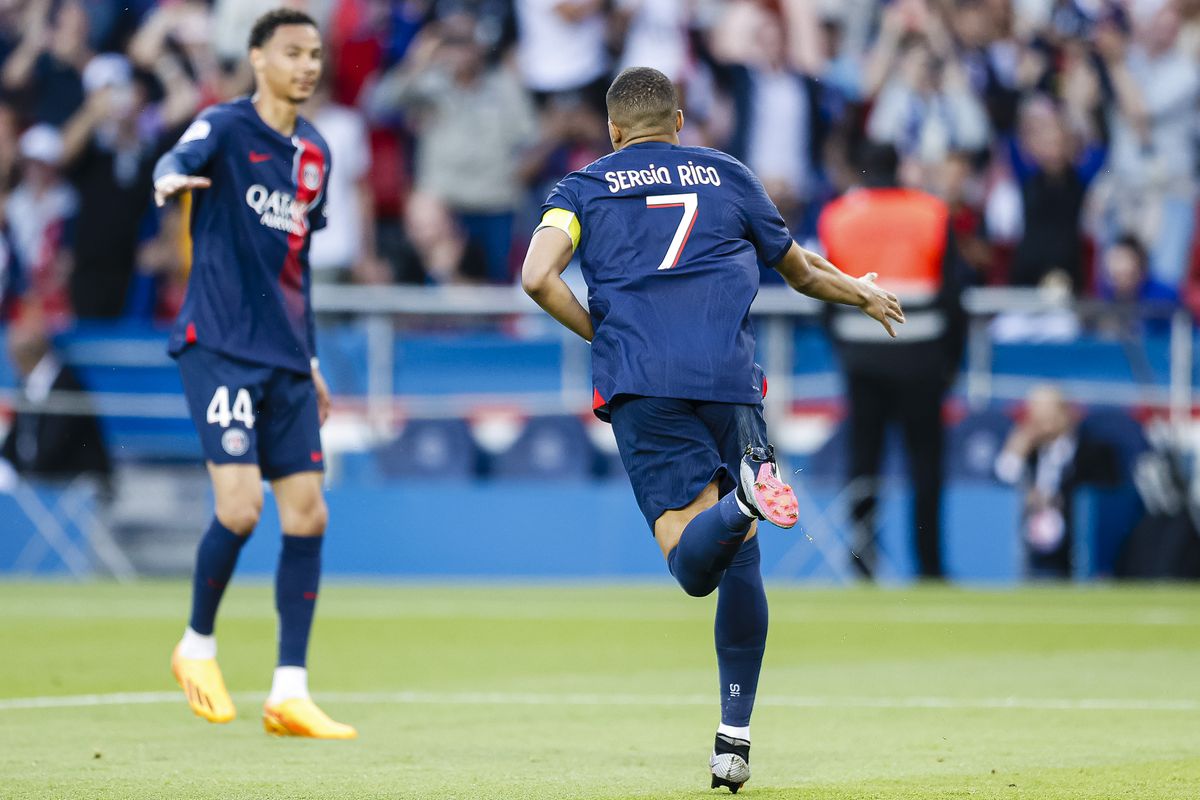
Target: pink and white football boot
x,y
760,488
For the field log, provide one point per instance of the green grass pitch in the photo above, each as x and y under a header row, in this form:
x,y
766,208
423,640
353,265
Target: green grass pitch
x,y
599,691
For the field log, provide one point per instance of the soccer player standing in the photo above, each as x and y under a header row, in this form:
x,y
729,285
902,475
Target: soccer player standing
x,y
245,345
669,239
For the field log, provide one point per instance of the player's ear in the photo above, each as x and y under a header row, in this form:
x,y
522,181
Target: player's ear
x,y
679,120
256,58
615,135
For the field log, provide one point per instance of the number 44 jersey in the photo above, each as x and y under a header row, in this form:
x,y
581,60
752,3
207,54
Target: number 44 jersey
x,y
248,292
669,239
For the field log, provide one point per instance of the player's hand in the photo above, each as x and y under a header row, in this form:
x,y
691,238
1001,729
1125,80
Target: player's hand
x,y
880,304
324,401
168,186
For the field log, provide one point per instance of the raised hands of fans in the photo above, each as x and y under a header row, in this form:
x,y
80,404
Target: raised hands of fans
x,y
168,186
1110,41
879,304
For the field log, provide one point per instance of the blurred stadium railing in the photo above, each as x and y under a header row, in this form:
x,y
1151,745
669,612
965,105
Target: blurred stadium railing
x,y
427,377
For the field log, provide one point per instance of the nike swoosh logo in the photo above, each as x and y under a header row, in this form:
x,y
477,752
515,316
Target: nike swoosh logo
x,y
258,158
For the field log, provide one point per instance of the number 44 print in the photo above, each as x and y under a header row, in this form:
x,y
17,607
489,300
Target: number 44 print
x,y
219,412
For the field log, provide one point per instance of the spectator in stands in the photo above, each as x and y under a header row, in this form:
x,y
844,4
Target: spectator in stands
x,y
54,435
1153,160
1048,459
47,66
778,124
655,34
437,250
923,102
1127,277
473,120
1126,280
571,135
8,280
561,49
345,249
842,70
9,151
40,213
961,187
180,35
987,50
110,147
1053,170
163,261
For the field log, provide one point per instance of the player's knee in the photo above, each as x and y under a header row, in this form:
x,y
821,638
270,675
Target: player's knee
x,y
240,516
306,519
698,589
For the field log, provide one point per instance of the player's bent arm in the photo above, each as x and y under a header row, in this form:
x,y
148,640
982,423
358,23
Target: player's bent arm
x,y
810,274
549,255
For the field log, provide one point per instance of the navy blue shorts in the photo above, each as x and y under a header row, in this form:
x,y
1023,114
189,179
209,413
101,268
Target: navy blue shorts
x,y
672,449
249,413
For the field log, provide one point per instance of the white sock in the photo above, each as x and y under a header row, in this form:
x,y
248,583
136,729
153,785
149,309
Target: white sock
x,y
734,733
288,684
743,507
197,645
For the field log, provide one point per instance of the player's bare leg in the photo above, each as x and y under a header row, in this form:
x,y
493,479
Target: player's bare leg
x,y
239,499
289,710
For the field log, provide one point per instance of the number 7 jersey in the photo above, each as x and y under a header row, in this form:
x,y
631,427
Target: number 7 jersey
x,y
669,239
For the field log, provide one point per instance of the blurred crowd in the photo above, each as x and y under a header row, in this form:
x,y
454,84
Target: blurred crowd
x,y
1063,134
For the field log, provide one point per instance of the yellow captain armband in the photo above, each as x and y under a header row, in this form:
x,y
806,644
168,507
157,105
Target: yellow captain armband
x,y
565,221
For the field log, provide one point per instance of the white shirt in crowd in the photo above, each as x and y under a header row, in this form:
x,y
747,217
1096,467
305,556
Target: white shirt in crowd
x,y
339,244
778,143
555,55
30,216
657,36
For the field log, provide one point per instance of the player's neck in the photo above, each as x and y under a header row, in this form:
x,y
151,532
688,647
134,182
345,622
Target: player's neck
x,y
278,112
668,138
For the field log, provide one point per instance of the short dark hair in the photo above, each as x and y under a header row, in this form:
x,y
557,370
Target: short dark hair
x,y
264,26
642,98
878,163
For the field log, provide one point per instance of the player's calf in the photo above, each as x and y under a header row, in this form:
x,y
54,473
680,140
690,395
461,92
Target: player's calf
x,y
707,543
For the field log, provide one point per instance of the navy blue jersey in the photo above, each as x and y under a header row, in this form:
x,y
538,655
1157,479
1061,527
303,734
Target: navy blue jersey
x,y
248,294
669,239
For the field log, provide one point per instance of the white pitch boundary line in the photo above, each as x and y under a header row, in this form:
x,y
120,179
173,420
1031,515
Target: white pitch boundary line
x,y
575,699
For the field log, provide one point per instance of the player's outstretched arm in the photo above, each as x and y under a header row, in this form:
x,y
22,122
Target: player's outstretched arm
x,y
541,276
172,184
809,274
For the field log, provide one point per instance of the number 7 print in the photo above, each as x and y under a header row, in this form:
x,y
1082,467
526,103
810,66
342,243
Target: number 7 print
x,y
690,205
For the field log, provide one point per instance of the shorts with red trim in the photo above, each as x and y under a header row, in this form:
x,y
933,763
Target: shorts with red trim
x,y
248,413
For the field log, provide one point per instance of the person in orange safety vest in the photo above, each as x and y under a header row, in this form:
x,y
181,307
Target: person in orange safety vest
x,y
904,236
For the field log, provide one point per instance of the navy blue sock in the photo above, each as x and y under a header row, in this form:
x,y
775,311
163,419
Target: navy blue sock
x,y
296,583
215,560
741,634
708,544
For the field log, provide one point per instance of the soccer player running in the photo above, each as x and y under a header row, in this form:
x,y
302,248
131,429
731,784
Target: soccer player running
x,y
245,345
669,239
